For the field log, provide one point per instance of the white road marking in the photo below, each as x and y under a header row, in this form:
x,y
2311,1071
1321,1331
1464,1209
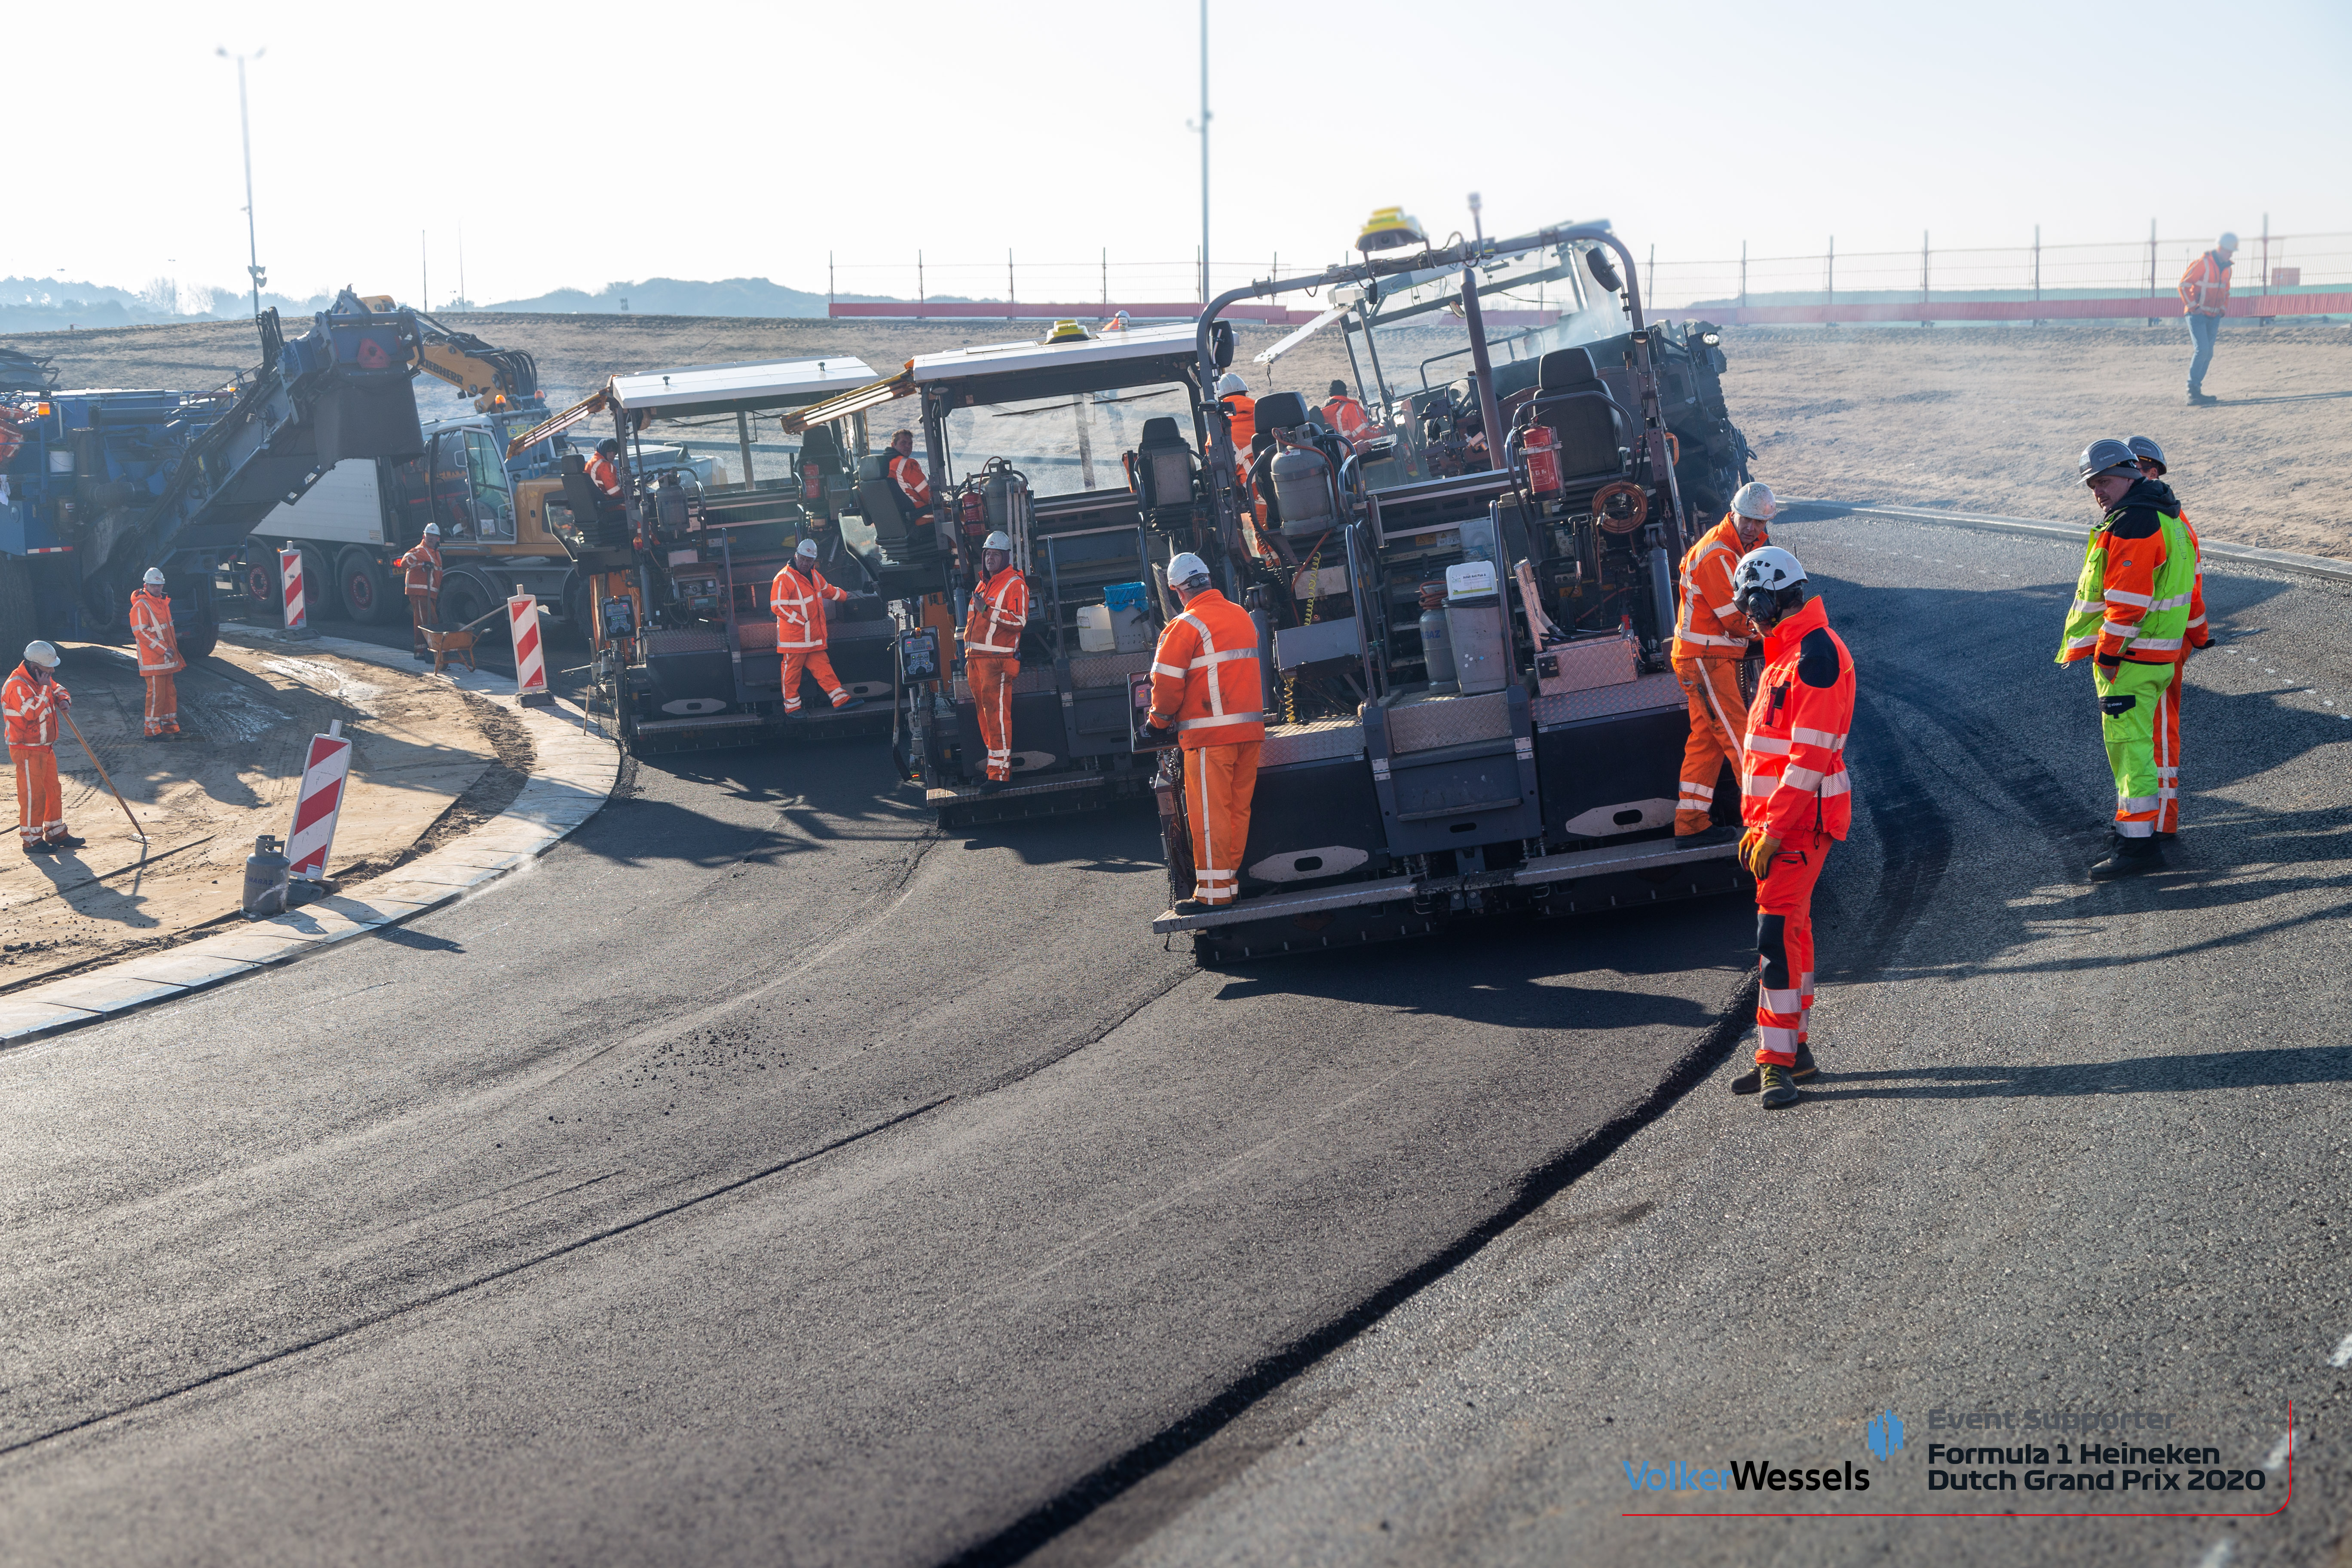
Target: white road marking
x,y
2218,1553
2343,1356
2279,1452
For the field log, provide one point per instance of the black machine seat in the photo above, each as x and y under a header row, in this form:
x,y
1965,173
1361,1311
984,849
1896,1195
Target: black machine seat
x,y
1575,403
601,519
879,499
1281,411
1164,465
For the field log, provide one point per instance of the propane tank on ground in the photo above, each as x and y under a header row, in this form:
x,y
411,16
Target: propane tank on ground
x,y
267,882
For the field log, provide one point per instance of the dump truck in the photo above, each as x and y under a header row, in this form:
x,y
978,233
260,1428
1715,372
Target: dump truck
x,y
96,487
1084,449
1470,667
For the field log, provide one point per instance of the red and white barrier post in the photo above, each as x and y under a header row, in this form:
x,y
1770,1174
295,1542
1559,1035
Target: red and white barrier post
x,y
318,803
530,653
289,572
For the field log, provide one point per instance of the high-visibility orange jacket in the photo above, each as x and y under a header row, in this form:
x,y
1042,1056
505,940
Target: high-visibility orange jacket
x,y
606,477
999,608
1710,626
1244,422
911,480
1793,762
151,625
2130,541
1347,415
2205,286
798,599
31,707
1204,675
2199,634
421,568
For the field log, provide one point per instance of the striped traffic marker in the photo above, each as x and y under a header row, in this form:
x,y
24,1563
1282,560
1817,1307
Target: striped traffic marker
x,y
530,655
290,571
318,803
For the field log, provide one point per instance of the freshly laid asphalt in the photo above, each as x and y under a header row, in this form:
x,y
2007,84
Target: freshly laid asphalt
x,y
764,1176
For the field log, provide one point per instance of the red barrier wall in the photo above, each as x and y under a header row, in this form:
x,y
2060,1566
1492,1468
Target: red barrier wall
x,y
2127,308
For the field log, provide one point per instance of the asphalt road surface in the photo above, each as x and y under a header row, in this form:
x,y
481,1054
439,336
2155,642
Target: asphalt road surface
x,y
764,1177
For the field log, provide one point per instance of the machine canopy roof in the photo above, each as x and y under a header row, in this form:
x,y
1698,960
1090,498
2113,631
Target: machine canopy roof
x,y
720,388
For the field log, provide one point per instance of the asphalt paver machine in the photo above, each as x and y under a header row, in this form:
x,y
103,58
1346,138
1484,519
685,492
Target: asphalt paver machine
x,y
1471,705
675,574
1086,449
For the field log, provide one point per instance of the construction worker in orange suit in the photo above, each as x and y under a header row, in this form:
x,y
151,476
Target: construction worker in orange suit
x,y
158,654
2167,708
31,701
604,471
1208,696
1795,799
991,651
2204,300
907,474
797,596
1347,415
421,580
1711,639
1240,419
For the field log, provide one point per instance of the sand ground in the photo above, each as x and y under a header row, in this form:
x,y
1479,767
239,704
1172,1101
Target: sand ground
x,y
248,715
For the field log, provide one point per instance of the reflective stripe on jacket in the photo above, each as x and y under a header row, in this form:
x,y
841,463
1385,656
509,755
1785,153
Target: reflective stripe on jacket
x,y
798,599
1204,675
1345,416
999,608
422,568
31,707
1793,762
2138,579
605,476
2205,286
150,625
912,484
1709,625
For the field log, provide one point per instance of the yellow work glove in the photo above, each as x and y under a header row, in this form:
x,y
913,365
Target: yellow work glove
x,y
1755,852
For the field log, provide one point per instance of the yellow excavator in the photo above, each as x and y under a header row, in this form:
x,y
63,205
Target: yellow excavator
x,y
495,378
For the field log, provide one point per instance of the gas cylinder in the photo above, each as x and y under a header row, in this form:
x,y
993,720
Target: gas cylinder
x,y
1542,453
1437,641
972,509
266,879
1302,491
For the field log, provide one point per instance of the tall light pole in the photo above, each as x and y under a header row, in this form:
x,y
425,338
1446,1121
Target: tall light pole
x,y
1204,129
245,129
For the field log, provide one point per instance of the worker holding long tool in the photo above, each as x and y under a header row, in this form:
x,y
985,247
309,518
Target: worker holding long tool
x,y
1207,693
1711,639
158,654
991,651
797,596
1796,799
2130,620
421,580
2196,636
31,701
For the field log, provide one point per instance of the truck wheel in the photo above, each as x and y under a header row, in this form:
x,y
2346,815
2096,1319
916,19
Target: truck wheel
x,y
462,600
319,599
195,621
262,589
366,589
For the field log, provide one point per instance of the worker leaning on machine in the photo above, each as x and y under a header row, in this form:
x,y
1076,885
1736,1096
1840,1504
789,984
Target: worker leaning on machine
x,y
1207,693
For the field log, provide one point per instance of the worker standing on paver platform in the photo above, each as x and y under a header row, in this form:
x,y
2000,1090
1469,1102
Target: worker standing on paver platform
x,y
991,651
2167,712
30,701
1796,798
2130,618
797,597
1711,639
421,580
1207,692
1241,420
158,654
2204,298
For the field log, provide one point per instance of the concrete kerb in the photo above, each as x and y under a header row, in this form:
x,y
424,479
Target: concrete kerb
x,y
574,767
2247,554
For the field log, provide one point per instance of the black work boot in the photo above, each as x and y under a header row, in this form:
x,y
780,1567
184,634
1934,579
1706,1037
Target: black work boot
x,y
1780,1088
2128,857
1752,1079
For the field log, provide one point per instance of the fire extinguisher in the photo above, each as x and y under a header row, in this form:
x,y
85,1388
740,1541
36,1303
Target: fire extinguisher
x,y
972,510
812,482
1542,454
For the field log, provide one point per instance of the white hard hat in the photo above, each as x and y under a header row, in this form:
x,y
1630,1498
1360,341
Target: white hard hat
x,y
1231,383
2229,241
41,653
1755,500
1770,567
155,578
808,547
1187,567
434,529
1000,539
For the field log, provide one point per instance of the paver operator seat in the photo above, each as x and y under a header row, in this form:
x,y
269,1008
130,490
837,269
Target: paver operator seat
x,y
1591,427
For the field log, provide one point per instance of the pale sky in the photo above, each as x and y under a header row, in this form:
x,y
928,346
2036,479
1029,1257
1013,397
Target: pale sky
x,y
588,143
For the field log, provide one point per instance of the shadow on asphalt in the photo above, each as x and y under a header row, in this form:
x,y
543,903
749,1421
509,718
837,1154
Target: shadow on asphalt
x,y
2133,1075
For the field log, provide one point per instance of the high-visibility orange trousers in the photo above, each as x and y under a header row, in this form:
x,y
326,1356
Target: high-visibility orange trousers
x,y
40,808
990,676
1218,784
1784,947
811,660
1711,687
2168,755
423,609
162,705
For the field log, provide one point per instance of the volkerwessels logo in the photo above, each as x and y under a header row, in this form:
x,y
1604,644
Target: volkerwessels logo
x,y
1886,1435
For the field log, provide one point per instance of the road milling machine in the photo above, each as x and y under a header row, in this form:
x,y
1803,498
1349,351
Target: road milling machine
x,y
1084,450
674,574
1470,703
